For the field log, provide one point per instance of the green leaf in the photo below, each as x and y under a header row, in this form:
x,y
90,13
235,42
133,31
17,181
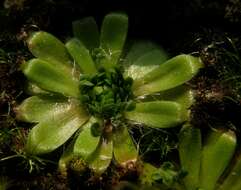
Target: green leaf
x,y
232,182
49,77
65,159
46,46
146,63
147,173
101,158
33,89
86,143
86,31
113,36
160,114
52,133
167,174
41,108
170,74
81,55
181,94
124,148
216,155
137,50
190,155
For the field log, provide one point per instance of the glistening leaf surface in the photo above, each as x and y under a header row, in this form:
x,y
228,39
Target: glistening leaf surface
x,y
52,133
86,143
124,148
101,158
170,74
81,55
51,77
160,114
41,108
146,63
113,35
46,46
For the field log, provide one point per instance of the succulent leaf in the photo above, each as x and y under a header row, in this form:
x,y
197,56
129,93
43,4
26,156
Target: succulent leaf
x,y
86,30
52,133
181,94
146,63
124,148
113,35
86,143
101,158
137,49
160,114
216,155
49,77
33,89
190,155
81,55
41,108
46,46
65,159
232,182
170,74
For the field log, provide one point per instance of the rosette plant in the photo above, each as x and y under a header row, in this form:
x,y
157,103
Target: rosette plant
x,y
89,91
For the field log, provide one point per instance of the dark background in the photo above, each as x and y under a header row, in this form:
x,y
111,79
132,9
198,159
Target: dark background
x,y
172,24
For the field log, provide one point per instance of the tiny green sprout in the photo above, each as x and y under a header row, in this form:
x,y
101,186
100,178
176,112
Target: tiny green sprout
x,y
168,176
89,90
